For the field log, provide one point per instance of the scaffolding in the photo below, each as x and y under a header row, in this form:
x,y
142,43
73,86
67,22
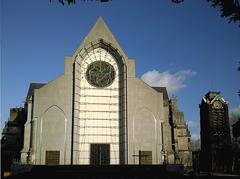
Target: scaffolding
x,y
99,114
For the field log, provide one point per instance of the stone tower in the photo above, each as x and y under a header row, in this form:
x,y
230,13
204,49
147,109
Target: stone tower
x,y
215,133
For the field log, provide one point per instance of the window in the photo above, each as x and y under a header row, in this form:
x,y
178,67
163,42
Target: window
x,y
145,157
52,157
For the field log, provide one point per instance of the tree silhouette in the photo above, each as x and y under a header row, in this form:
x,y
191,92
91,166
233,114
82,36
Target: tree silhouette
x,y
69,2
177,1
229,8
239,70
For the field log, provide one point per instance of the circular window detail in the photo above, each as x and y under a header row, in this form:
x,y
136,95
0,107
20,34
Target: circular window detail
x,y
217,104
100,74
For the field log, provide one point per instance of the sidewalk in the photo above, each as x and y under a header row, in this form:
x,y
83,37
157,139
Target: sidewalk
x,y
216,174
225,174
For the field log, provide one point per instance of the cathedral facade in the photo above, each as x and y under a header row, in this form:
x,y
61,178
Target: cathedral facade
x,y
99,113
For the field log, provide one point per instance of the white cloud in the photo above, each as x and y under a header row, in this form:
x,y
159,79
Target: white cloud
x,y
195,142
174,82
195,137
234,115
192,124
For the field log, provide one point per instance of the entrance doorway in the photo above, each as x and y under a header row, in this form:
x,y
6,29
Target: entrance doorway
x,y
100,154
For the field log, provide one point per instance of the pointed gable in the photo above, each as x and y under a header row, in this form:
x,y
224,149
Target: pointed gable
x,y
101,31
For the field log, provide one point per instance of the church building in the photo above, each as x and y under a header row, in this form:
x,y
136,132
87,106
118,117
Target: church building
x,y
216,154
99,113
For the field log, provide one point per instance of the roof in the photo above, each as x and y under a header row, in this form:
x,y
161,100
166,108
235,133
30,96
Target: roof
x,y
32,87
211,94
101,31
162,90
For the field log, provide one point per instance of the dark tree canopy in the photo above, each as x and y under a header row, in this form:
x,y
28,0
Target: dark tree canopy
x,y
229,8
177,1
69,2
239,70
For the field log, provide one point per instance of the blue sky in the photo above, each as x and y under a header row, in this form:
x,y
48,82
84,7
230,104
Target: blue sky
x,y
188,46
